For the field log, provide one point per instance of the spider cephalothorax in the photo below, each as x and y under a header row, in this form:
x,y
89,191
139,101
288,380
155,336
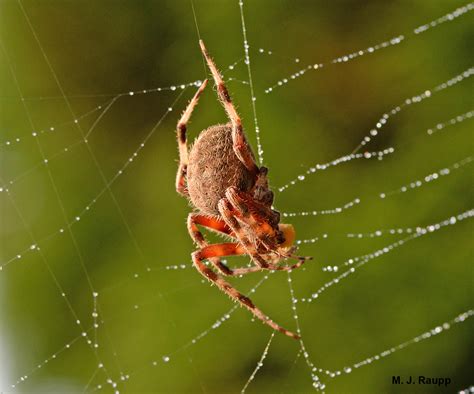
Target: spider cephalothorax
x,y
231,195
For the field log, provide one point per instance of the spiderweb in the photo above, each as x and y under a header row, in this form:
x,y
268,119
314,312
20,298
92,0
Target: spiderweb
x,y
364,118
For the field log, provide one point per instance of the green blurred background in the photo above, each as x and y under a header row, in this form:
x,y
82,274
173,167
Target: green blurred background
x,y
109,47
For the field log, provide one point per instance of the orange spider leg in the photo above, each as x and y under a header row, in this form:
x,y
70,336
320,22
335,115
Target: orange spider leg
x,y
183,148
241,146
257,217
227,212
220,226
228,249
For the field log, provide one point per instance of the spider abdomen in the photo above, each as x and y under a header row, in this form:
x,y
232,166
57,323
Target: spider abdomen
x,y
213,167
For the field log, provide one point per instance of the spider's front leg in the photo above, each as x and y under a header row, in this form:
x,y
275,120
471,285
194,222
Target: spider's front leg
x,y
230,217
262,220
231,249
182,142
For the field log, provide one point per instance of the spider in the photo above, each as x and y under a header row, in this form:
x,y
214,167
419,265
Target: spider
x,y
231,194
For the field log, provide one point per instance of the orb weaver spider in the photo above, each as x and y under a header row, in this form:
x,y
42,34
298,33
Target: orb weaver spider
x,y
220,177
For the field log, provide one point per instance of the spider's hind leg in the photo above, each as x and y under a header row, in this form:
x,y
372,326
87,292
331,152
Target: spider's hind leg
x,y
228,249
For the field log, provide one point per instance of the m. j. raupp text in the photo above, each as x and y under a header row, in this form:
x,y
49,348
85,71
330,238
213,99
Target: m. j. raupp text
x,y
422,380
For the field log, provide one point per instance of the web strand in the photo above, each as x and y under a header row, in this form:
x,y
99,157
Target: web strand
x,y
396,40
357,262
375,131
249,72
259,364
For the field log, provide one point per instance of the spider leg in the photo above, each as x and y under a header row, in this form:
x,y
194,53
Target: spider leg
x,y
227,212
241,147
228,249
182,146
207,221
257,216
218,225
215,224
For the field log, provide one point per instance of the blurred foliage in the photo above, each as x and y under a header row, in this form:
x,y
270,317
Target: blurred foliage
x,y
110,47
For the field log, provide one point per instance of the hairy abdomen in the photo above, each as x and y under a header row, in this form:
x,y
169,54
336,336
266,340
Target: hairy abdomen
x,y
213,167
